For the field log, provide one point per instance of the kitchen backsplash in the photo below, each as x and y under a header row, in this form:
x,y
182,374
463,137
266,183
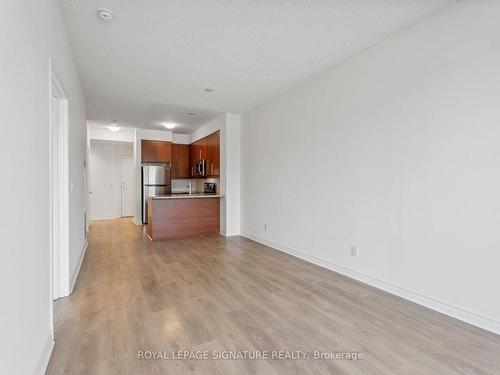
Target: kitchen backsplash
x,y
179,186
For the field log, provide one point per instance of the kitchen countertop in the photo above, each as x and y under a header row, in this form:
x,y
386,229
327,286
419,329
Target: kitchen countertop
x,y
186,196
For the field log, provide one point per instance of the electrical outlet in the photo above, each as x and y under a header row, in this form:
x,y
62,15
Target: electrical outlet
x,y
265,227
354,251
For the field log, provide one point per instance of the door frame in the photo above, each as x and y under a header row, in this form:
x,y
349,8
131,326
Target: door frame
x,y
59,259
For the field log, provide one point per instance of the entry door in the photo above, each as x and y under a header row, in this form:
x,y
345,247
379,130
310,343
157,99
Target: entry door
x,y
127,188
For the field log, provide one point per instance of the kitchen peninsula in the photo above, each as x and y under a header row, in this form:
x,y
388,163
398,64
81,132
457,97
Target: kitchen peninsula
x,y
183,215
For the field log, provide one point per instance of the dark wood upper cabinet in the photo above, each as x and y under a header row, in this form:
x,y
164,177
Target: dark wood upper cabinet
x,y
186,157
156,151
164,151
183,158
180,161
148,151
200,147
193,158
198,151
213,154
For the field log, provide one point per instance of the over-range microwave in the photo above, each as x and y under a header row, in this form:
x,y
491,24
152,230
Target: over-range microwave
x,y
201,168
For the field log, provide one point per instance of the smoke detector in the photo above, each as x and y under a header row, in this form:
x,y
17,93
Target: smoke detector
x,y
105,14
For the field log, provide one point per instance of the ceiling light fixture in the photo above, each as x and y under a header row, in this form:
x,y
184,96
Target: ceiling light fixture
x,y
113,126
209,90
105,14
170,125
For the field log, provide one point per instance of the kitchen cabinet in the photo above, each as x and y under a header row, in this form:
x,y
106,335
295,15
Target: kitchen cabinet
x,y
213,154
181,167
200,147
156,151
183,217
198,151
164,151
148,151
193,158
208,149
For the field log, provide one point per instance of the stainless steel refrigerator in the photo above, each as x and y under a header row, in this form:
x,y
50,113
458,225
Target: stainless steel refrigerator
x,y
155,181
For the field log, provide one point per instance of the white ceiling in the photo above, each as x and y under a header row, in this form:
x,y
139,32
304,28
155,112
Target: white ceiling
x,y
187,119
155,58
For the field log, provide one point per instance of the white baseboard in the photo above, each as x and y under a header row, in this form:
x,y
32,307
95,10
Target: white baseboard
x,y
72,282
104,218
44,359
473,318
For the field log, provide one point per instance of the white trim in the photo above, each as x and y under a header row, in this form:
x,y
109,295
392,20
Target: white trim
x,y
74,277
470,317
44,359
105,218
63,156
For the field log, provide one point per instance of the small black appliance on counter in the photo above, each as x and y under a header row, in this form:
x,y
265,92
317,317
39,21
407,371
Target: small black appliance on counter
x,y
209,188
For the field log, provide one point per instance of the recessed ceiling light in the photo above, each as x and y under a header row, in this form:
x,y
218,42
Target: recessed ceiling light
x,y
105,14
191,113
170,125
209,90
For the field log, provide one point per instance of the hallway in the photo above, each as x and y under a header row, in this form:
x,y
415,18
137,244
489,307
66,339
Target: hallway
x,y
214,293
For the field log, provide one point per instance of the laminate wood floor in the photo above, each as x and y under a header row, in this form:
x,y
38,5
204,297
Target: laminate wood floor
x,y
211,293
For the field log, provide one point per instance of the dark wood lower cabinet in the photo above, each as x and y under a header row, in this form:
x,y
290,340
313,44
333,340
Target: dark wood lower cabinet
x,y
182,217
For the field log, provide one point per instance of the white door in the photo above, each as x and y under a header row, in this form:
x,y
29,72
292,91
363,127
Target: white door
x,y
128,183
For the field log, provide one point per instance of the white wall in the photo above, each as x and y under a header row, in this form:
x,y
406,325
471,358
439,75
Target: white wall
x,y
105,177
97,131
27,43
397,151
156,135
232,168
211,127
183,139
